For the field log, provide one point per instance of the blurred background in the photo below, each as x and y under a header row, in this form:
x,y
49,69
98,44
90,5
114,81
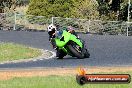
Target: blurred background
x,y
103,17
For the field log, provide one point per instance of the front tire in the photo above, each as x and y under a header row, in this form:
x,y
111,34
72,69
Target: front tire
x,y
75,52
60,54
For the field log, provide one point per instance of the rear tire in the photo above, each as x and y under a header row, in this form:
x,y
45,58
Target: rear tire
x,y
75,52
86,54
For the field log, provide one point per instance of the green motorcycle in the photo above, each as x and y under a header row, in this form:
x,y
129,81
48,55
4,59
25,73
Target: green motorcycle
x,y
69,44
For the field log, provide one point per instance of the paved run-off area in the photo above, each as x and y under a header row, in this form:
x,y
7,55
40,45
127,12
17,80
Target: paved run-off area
x,y
105,50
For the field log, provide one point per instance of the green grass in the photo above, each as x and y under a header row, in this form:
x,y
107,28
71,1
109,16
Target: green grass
x,y
10,51
54,82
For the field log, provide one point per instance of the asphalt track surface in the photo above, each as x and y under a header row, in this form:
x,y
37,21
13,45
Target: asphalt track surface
x,y
106,50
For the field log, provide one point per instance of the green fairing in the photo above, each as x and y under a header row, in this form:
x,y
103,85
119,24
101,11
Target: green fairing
x,y
67,37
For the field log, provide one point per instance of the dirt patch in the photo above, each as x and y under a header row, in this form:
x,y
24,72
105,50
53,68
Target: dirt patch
x,y
8,74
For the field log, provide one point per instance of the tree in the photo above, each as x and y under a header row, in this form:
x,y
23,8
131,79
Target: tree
x,y
109,9
103,8
115,5
4,3
11,4
86,9
131,12
124,11
64,8
49,8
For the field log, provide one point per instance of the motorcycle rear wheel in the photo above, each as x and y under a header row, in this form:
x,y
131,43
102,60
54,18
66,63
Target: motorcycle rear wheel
x,y
86,54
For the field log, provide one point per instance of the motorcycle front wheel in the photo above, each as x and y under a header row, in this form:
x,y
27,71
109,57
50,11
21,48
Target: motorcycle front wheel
x,y
75,51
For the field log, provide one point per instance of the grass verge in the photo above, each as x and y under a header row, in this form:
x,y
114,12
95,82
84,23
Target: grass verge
x,y
10,52
55,81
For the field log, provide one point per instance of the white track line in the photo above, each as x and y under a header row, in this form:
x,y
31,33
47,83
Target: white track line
x,y
53,54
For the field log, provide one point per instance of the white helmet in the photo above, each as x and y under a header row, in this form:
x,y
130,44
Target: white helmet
x,y
51,28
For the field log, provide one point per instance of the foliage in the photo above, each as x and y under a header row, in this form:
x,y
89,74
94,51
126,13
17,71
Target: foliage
x,y
86,9
11,4
124,11
90,9
49,8
116,10
63,8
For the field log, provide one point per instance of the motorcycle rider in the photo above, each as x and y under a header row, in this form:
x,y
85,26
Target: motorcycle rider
x,y
72,31
52,31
